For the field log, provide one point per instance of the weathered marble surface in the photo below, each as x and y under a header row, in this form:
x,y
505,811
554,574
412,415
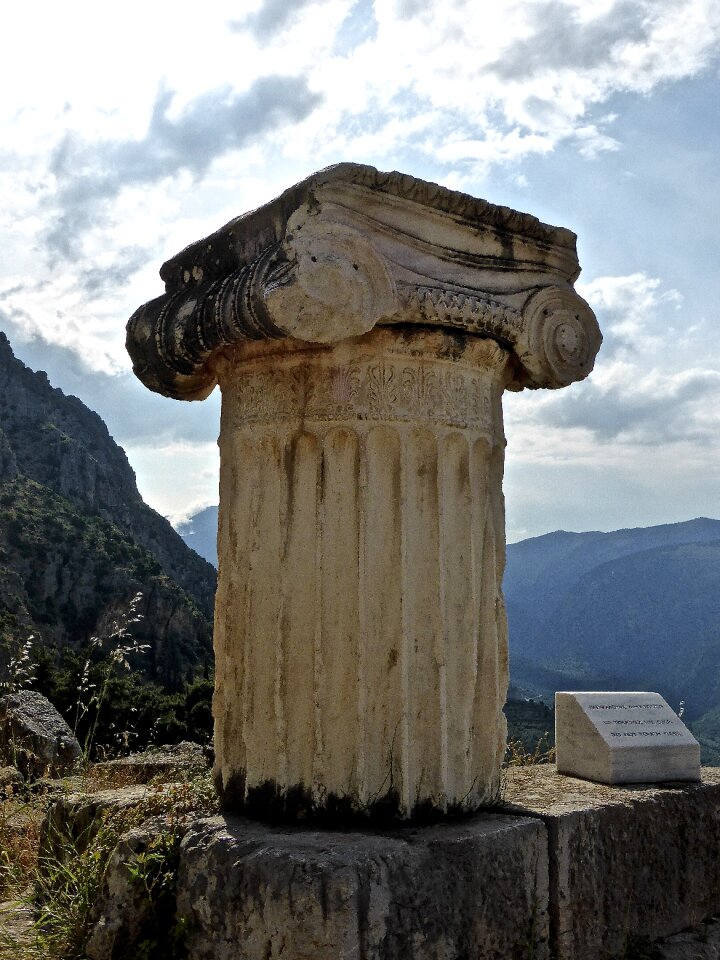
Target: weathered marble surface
x,y
625,861
628,737
564,867
363,327
361,650
352,247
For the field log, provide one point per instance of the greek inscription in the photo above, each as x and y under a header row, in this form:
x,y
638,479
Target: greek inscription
x,y
625,706
645,733
654,721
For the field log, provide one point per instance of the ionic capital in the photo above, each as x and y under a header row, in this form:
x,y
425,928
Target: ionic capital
x,y
349,249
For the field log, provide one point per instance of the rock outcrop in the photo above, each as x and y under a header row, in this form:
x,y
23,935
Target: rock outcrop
x,y
8,464
124,909
165,761
30,724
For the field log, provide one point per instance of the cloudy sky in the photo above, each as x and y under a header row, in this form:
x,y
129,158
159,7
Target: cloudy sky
x,y
130,130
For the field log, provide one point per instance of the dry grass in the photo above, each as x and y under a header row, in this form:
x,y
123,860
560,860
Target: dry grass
x,y
46,904
517,755
108,778
20,820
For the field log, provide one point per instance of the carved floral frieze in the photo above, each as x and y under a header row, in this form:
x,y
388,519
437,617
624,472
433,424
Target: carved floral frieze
x,y
393,389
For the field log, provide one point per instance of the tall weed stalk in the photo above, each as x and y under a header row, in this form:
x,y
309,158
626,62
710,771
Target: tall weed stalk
x,y
21,668
120,646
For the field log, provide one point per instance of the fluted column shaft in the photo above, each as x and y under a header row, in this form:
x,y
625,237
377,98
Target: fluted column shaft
x,y
363,326
361,644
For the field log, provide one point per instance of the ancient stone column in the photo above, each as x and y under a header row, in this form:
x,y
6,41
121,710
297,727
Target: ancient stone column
x,y
363,327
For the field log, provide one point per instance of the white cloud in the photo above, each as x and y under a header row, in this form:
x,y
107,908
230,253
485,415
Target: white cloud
x,y
496,147
592,141
108,172
90,174
645,392
523,75
54,311
638,442
465,86
629,307
194,469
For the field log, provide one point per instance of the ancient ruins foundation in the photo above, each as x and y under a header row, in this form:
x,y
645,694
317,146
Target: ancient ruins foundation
x,y
363,327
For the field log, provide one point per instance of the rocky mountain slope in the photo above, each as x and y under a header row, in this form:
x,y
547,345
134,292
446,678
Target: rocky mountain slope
x,y
77,542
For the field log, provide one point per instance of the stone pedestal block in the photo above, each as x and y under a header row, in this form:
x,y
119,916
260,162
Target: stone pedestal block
x,y
564,869
624,862
472,891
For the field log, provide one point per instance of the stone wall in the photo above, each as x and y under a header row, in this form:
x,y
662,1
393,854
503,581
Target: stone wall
x,y
562,869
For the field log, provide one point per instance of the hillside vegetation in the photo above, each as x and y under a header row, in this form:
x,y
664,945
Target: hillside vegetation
x,y
632,609
77,544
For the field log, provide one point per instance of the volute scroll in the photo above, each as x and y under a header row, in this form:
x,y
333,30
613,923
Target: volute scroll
x,y
558,340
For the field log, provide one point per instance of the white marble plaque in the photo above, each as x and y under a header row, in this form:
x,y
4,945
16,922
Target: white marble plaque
x,y
623,738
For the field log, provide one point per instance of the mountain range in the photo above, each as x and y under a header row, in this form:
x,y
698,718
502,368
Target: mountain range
x,y
77,542
630,609
200,532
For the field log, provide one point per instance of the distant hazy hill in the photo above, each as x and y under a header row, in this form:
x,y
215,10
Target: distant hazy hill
x,y
76,539
630,609
200,533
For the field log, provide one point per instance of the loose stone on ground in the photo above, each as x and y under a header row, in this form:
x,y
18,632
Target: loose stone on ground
x,y
33,733
16,927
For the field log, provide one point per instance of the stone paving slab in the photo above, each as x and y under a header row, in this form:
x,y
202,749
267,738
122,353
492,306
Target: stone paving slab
x,y
699,943
16,928
623,860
